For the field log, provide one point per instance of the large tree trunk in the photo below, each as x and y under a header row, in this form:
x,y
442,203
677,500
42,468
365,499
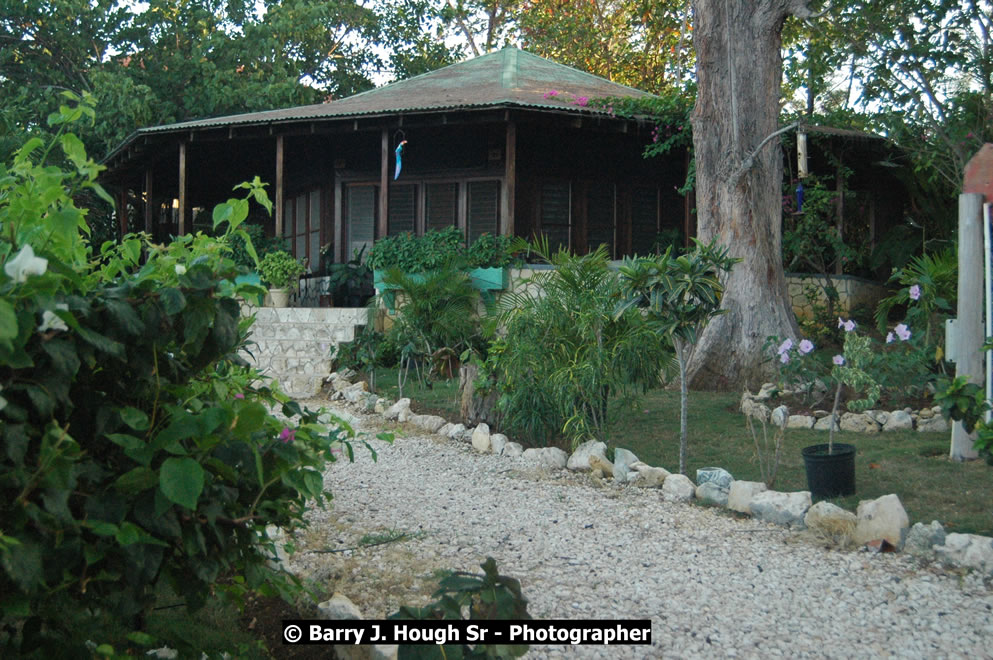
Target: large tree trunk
x,y
739,184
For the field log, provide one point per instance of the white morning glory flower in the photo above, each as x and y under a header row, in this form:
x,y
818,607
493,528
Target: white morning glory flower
x,y
51,321
24,263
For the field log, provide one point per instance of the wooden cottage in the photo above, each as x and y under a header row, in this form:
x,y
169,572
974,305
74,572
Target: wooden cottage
x,y
504,143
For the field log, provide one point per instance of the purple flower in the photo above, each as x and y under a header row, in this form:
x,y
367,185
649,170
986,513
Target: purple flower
x,y
287,435
551,94
838,360
889,337
902,331
915,292
841,322
581,101
806,346
785,347
784,357
239,395
848,325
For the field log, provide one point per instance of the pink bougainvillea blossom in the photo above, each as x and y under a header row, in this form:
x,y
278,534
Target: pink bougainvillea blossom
x,y
551,93
287,435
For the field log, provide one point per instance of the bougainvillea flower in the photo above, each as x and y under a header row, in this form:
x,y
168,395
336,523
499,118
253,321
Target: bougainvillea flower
x,y
287,435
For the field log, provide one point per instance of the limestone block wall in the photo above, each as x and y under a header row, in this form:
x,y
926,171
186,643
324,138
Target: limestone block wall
x,y
293,344
852,292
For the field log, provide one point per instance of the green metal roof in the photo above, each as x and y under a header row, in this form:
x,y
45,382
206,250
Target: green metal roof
x,y
508,77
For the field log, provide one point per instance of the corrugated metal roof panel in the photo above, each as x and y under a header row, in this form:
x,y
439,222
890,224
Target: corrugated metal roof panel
x,y
507,77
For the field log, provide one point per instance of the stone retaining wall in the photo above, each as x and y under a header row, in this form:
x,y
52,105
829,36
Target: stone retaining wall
x,y
293,344
852,292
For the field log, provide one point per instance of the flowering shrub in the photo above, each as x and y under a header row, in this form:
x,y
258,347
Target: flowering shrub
x,y
854,367
137,446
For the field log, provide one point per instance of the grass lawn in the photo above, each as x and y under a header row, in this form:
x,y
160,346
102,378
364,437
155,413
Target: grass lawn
x,y
913,465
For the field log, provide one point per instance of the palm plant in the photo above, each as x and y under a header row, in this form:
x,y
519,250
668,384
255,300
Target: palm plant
x,y
439,313
679,296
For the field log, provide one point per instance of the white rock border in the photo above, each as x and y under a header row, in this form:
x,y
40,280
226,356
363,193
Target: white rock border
x,y
880,525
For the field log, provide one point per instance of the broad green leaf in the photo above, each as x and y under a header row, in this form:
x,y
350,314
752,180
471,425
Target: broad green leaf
x,y
137,480
135,418
173,301
8,321
181,480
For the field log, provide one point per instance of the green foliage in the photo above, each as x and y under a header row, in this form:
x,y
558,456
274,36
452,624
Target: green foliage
x,y
262,244
438,313
486,597
966,402
351,283
678,296
936,276
138,448
439,248
564,355
280,269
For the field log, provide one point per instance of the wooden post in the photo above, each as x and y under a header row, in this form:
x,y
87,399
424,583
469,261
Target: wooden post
x,y
122,210
969,341
182,189
382,225
279,186
149,222
508,198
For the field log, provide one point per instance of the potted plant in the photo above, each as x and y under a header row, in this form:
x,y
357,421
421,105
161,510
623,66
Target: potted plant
x,y
280,271
350,284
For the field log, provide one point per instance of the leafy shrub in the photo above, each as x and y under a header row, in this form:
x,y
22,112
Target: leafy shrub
x,y
564,356
440,248
261,243
280,269
137,446
439,312
486,597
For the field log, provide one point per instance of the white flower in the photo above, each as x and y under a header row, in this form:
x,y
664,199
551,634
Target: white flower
x,y
51,321
24,264
180,269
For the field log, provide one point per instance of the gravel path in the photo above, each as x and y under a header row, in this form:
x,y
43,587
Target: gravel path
x,y
713,585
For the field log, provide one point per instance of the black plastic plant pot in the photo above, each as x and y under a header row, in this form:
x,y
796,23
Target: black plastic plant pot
x,y
830,475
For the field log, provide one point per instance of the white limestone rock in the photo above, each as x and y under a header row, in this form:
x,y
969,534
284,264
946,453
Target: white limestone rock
x,y
830,519
549,457
766,392
922,539
934,424
650,477
481,439
780,416
625,458
393,412
899,420
858,423
678,488
429,423
339,608
716,475
456,432
742,492
967,551
881,518
711,493
580,459
800,422
445,428
824,423
513,450
781,508
498,441
381,406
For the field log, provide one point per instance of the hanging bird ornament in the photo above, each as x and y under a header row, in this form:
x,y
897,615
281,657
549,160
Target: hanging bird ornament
x,y
399,153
